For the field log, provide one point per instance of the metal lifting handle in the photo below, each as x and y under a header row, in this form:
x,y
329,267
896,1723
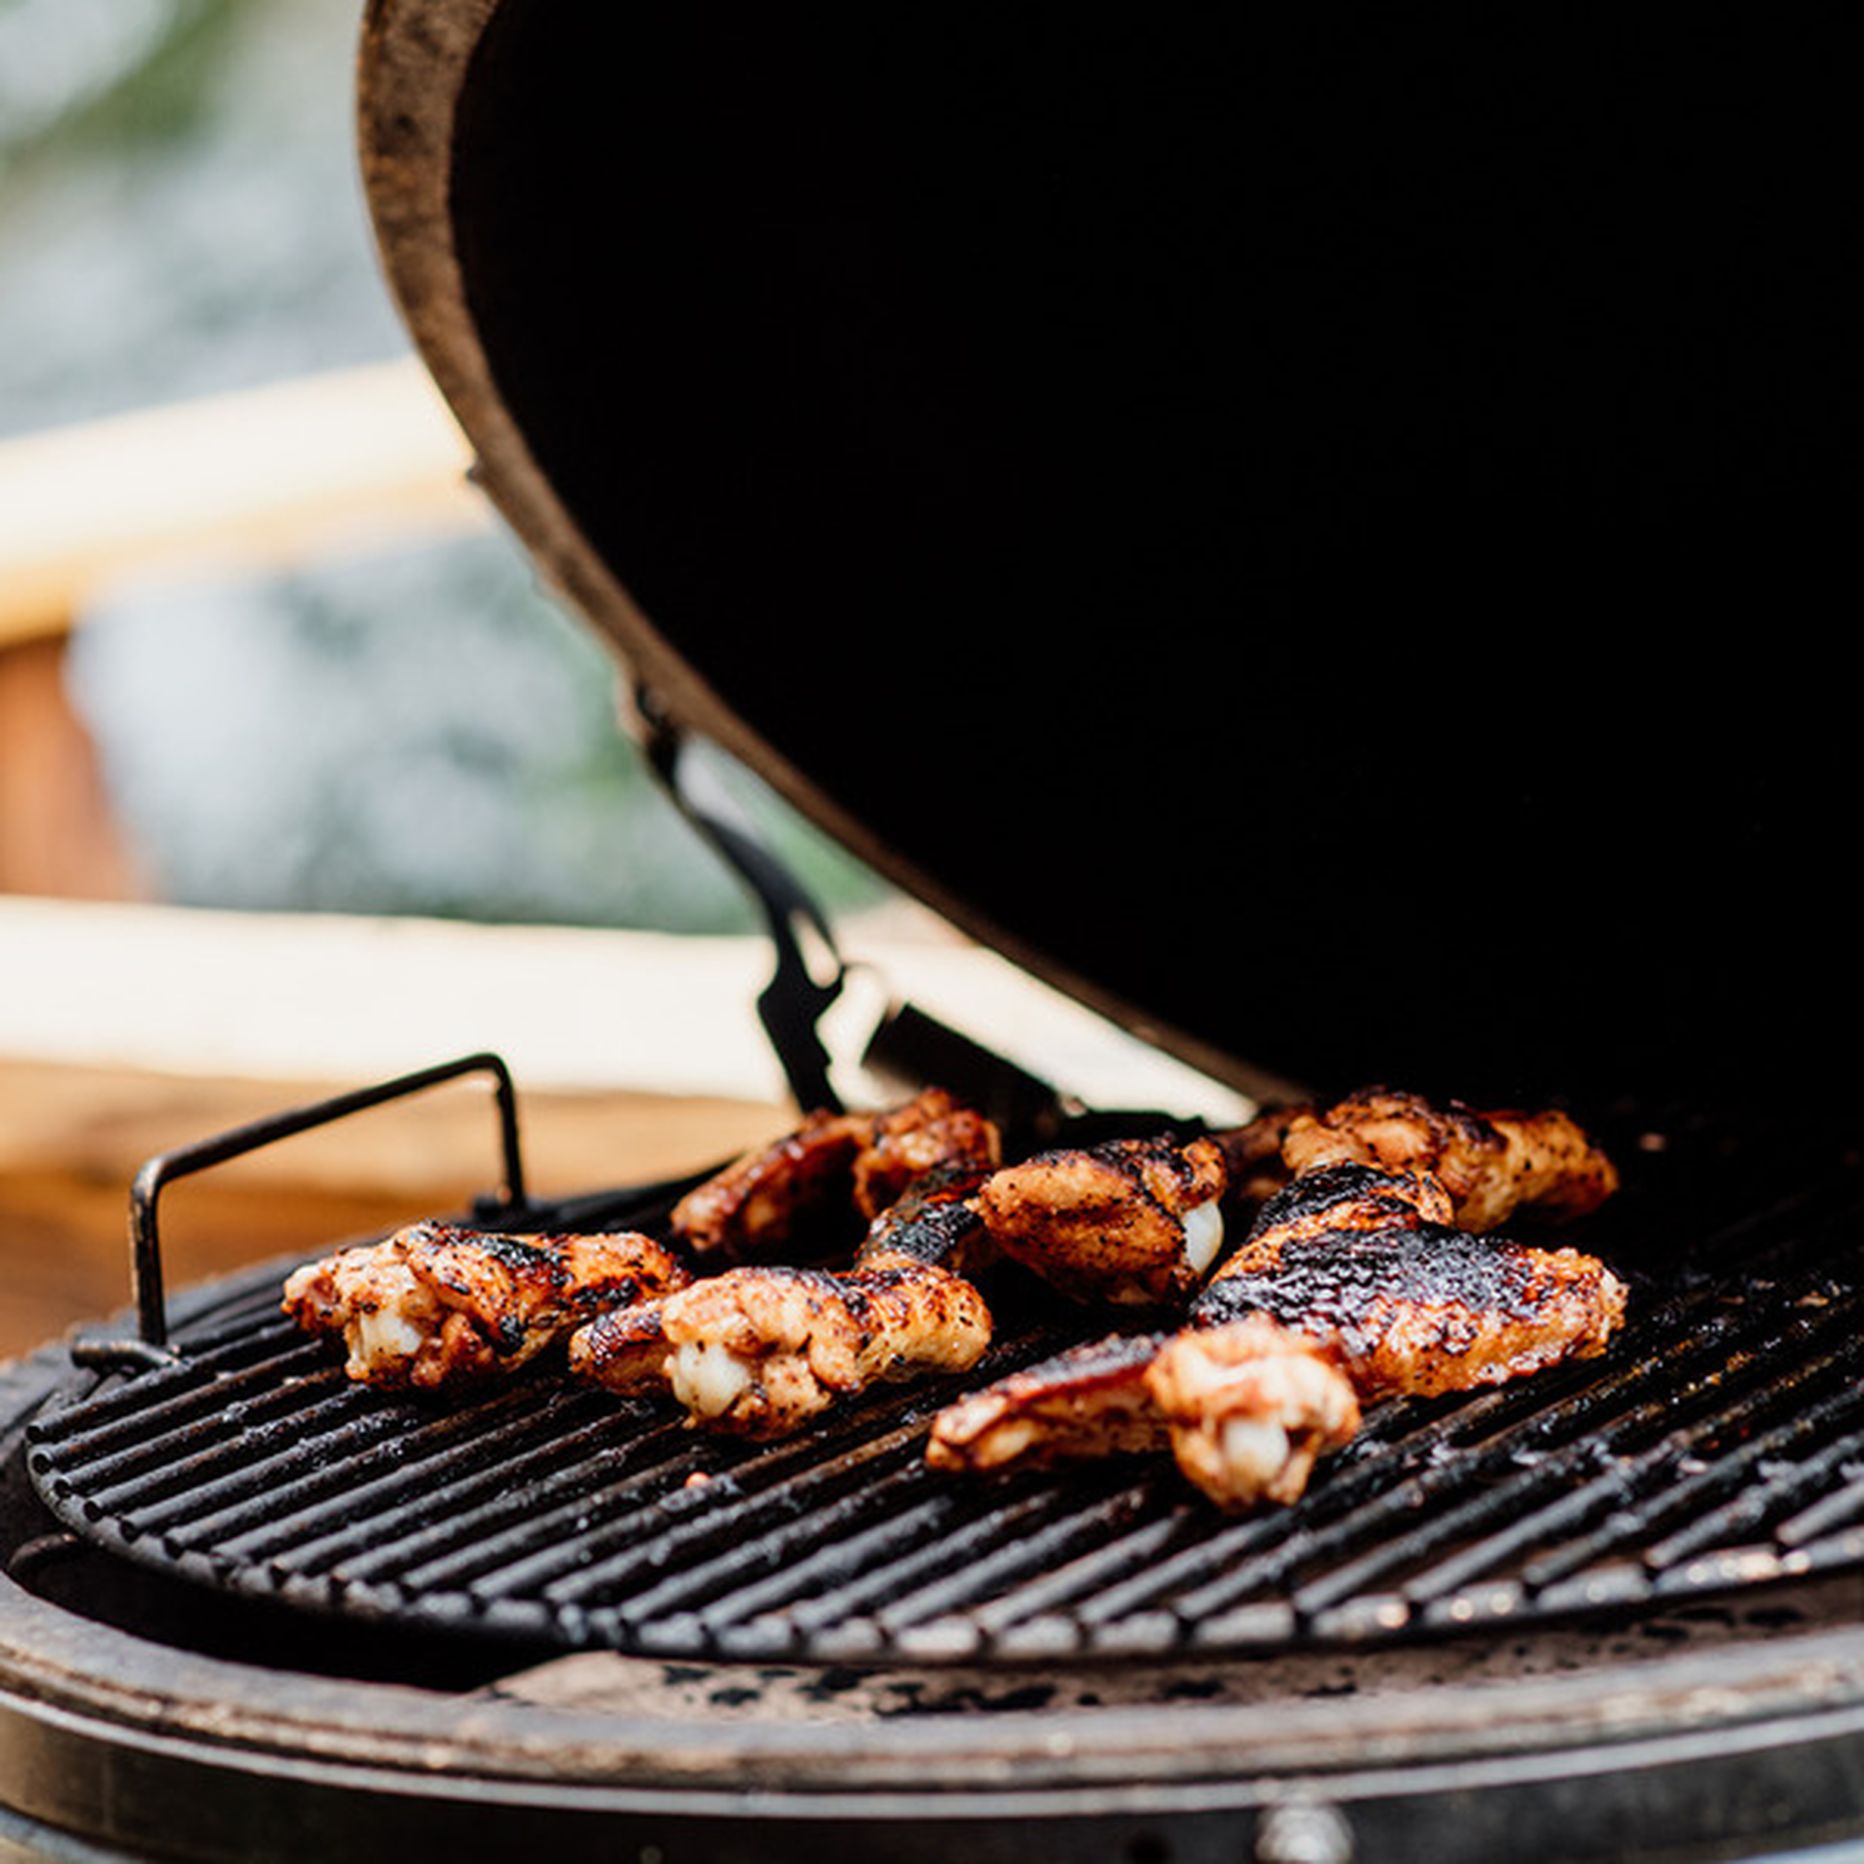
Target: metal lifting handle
x,y
793,1002
145,1260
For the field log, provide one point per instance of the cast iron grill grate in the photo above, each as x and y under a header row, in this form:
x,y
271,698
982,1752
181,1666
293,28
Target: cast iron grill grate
x,y
1719,1445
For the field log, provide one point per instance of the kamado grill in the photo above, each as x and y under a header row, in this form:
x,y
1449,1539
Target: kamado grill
x,y
901,371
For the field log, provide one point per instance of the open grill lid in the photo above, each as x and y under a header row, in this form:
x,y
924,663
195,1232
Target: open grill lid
x,y
1299,543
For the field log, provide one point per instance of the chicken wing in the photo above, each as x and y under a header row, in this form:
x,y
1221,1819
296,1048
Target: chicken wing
x,y
814,1187
1134,1221
1491,1164
1363,1263
436,1304
762,1348
759,1351
1250,1407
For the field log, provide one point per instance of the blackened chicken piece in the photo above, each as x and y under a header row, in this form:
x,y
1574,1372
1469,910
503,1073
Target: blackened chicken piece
x,y
816,1185
1135,1222
1363,1263
1250,1407
1491,1164
436,1304
1090,1401
936,1221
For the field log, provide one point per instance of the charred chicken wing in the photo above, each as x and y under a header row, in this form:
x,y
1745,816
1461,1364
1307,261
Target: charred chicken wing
x,y
1361,1262
1491,1164
1135,1221
438,1305
815,1185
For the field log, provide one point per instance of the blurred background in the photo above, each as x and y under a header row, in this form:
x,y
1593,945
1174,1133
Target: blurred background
x,y
303,780
417,729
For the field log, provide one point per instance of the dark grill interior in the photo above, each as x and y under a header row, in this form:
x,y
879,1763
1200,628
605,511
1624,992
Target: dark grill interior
x,y
1718,1446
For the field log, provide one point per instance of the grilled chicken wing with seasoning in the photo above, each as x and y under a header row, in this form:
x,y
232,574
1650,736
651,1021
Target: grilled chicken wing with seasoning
x,y
1492,1164
762,1348
437,1305
760,1351
1250,1407
1135,1221
816,1184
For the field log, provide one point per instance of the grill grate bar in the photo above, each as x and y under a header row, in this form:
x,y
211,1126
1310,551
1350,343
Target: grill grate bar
x,y
978,1578
1840,1506
369,1545
763,1599
194,1392
548,1540
1633,1522
380,1492
813,1496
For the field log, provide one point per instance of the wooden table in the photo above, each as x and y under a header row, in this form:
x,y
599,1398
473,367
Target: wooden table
x,y
71,1139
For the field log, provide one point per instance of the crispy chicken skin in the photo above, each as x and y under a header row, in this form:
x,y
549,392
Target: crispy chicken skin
x,y
759,1351
763,1347
833,1168
1492,1164
438,1305
1135,1221
624,1351
1356,1261
1250,1408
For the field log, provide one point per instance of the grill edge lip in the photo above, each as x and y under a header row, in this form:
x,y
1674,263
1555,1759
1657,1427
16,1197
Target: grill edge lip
x,y
69,1672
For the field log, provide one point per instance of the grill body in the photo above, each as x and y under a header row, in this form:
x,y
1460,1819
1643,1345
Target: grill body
x,y
841,414
129,1727
292,1616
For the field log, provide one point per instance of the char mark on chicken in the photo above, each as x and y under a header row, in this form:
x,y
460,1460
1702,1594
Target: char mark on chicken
x,y
436,1304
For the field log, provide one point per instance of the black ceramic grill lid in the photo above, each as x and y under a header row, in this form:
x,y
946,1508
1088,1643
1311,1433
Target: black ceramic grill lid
x,y
1313,543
